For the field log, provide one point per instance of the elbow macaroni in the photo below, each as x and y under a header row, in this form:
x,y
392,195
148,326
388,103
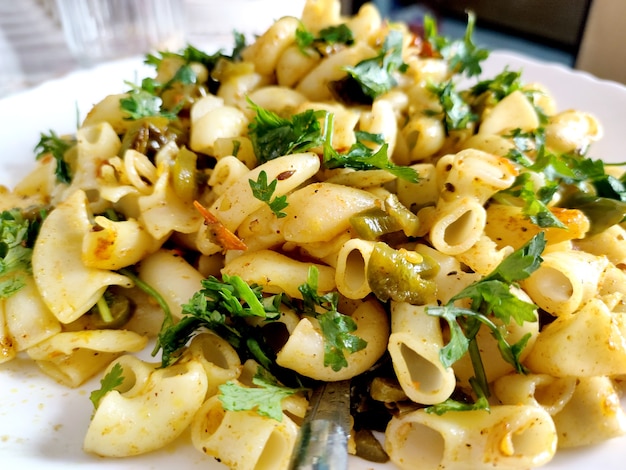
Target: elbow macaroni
x,y
122,212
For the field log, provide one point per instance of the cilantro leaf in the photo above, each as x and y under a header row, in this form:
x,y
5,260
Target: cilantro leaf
x,y
337,328
110,381
16,240
453,405
325,40
273,136
463,56
375,75
456,113
264,192
221,306
502,85
361,157
489,297
57,147
266,398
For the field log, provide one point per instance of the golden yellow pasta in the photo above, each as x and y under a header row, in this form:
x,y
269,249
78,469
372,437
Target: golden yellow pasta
x,y
339,199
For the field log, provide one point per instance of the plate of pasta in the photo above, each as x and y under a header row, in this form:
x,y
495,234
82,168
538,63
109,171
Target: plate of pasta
x,y
191,242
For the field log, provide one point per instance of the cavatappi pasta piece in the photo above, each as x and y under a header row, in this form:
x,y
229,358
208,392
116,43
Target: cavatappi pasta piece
x,y
565,281
320,211
67,286
593,414
550,393
292,65
227,171
304,350
265,52
420,138
220,361
223,121
26,319
585,343
73,357
276,272
319,14
414,346
315,84
477,174
232,207
278,99
515,111
507,225
351,268
457,225
484,256
610,243
425,192
507,436
494,144
381,120
172,277
225,435
150,409
572,131
450,278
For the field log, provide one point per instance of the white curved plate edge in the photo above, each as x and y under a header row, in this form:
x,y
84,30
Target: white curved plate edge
x,y
42,424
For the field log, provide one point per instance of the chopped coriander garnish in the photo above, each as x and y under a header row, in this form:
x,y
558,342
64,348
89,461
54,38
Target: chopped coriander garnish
x,y
337,328
266,398
375,76
457,114
326,38
56,146
264,192
273,136
463,56
361,156
17,237
490,297
110,381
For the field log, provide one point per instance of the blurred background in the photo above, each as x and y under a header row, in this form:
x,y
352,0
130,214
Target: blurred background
x,y
588,35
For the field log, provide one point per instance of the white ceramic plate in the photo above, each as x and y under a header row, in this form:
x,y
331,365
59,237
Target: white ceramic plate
x,y
42,424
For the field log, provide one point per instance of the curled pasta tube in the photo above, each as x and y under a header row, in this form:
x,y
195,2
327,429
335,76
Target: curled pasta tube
x,y
225,435
72,357
276,272
220,361
304,350
414,345
152,409
565,281
477,174
351,268
458,225
238,202
551,393
172,277
592,415
586,343
506,437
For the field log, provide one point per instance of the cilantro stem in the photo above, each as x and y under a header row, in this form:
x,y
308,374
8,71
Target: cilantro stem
x,y
168,320
104,310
